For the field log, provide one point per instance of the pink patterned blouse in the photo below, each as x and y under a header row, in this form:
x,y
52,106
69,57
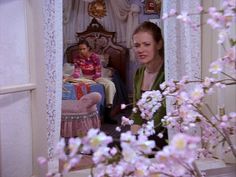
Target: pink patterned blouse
x,y
88,66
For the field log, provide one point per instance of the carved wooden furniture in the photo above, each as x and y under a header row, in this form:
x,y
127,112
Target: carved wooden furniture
x,y
102,42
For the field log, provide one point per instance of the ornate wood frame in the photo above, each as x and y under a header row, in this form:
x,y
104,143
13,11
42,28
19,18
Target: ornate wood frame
x,y
102,42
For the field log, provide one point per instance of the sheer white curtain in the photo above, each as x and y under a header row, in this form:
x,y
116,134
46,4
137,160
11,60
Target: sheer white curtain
x,y
125,20
122,17
182,46
75,19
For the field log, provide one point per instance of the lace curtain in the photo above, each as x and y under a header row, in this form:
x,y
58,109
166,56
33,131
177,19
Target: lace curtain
x,y
122,18
52,11
182,45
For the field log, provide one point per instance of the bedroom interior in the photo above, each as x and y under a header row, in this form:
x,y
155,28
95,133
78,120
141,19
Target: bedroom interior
x,y
31,86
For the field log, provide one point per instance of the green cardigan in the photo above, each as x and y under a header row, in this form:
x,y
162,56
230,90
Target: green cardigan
x,y
138,78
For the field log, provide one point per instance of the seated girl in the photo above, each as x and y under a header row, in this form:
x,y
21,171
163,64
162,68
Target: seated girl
x,y
88,65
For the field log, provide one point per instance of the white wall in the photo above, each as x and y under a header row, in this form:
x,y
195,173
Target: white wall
x,y
15,114
22,114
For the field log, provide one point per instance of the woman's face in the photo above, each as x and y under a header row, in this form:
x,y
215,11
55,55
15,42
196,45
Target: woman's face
x,y
84,50
145,47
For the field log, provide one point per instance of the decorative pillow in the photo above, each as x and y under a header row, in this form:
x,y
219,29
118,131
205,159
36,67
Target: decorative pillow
x,y
68,69
104,59
107,72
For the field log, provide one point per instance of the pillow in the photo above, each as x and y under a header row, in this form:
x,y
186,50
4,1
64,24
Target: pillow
x,y
107,72
104,59
68,69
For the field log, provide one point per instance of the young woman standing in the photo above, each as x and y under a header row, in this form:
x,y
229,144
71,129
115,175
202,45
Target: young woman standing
x,y
149,51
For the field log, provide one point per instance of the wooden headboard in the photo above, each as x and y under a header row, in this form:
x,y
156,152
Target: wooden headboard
x,y
102,42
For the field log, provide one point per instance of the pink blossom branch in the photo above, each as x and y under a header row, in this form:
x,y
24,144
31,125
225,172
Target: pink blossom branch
x,y
186,166
228,140
231,83
209,121
223,133
228,76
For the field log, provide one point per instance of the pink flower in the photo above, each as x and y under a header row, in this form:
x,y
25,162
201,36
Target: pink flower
x,y
164,16
172,12
113,151
163,85
42,160
197,94
208,82
126,121
123,106
184,17
118,129
223,125
149,103
220,85
135,110
160,135
199,9
225,118
222,37
182,98
213,23
230,57
212,10
216,67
